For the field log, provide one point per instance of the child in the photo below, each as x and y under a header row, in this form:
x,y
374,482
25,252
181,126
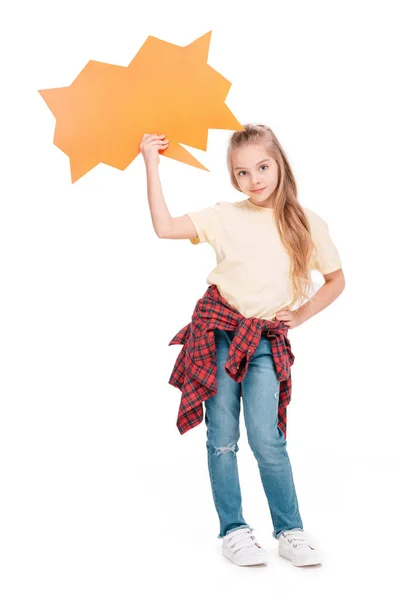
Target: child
x,y
236,344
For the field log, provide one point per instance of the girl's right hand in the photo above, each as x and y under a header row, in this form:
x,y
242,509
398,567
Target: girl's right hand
x,y
150,146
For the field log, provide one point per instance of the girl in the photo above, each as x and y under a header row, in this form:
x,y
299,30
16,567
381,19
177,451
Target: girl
x,y
236,344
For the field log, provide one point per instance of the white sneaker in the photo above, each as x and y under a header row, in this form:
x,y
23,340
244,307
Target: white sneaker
x,y
295,545
241,548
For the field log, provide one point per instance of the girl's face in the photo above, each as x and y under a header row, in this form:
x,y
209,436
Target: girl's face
x,y
256,173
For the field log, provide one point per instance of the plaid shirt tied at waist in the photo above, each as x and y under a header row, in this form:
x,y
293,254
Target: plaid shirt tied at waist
x,y
195,369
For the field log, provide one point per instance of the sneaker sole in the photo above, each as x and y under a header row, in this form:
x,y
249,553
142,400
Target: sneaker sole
x,y
256,561
307,563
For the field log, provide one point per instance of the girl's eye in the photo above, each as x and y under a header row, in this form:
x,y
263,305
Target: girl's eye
x,y
262,167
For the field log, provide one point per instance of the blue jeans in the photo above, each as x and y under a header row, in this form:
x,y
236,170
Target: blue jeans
x,y
260,392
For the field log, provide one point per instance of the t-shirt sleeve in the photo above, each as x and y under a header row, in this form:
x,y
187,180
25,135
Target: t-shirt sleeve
x,y
206,222
326,257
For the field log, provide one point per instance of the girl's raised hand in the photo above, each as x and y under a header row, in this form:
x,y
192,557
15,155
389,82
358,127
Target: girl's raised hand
x,y
150,146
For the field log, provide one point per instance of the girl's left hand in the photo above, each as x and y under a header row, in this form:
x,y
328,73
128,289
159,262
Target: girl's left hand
x,y
289,317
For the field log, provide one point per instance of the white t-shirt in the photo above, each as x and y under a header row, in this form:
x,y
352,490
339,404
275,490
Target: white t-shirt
x,y
253,267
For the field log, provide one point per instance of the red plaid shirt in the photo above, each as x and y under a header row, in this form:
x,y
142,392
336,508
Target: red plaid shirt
x,y
195,368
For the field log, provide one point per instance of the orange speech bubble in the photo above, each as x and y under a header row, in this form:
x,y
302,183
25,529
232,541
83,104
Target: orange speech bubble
x,y
102,116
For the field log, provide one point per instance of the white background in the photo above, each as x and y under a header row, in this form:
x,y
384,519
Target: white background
x,y
100,495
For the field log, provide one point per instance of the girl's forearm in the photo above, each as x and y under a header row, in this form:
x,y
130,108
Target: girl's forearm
x,y
160,214
324,296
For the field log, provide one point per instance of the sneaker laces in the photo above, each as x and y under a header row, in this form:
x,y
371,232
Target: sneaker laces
x,y
297,538
242,539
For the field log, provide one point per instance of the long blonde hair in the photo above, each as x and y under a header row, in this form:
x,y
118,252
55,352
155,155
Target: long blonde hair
x,y
291,221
